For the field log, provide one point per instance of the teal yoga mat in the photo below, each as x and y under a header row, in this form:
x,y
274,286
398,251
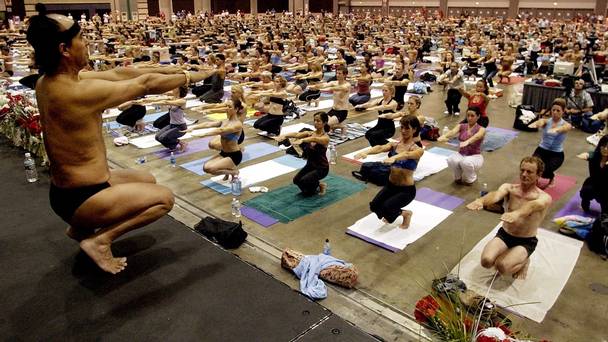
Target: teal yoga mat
x,y
287,203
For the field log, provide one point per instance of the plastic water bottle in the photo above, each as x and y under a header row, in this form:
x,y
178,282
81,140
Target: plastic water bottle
x,y
235,186
484,190
172,160
236,207
445,130
333,154
326,247
30,168
141,160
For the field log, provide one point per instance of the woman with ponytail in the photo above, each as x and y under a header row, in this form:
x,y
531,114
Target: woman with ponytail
x,y
99,204
315,151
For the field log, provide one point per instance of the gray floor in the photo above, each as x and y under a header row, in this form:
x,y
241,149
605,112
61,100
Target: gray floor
x,y
399,279
178,286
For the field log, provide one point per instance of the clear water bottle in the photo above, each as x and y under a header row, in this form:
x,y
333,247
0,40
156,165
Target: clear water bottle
x,y
236,207
326,247
30,168
445,131
484,190
172,160
236,186
333,154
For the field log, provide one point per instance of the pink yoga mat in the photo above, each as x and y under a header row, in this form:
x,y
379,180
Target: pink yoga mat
x,y
562,185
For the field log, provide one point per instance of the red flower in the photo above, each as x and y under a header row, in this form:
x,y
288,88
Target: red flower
x,y
505,329
34,127
426,308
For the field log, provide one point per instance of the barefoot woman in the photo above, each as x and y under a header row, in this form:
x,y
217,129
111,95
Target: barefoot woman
x,y
100,205
403,157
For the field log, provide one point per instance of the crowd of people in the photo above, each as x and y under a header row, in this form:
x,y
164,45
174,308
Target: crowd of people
x,y
83,68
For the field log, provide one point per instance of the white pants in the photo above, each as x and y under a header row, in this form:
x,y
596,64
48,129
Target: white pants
x,y
465,167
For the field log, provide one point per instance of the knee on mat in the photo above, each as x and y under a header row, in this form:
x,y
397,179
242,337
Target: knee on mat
x,y
487,262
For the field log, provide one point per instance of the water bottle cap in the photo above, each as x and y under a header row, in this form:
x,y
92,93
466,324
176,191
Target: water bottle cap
x,y
27,155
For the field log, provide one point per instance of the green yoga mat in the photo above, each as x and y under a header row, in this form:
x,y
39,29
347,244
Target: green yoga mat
x,y
287,203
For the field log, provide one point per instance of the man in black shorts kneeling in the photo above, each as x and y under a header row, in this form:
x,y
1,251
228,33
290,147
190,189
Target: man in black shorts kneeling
x,y
527,205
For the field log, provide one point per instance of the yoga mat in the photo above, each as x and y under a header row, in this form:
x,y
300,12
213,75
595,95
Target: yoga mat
x,y
438,199
323,105
257,173
147,119
258,217
550,267
573,207
193,103
389,236
561,185
434,160
252,151
494,139
114,112
222,116
149,140
197,145
291,128
287,203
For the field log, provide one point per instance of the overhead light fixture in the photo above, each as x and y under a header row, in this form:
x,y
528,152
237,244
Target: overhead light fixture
x,y
555,4
477,3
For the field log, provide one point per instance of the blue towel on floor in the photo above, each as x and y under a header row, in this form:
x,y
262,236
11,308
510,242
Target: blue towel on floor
x,y
308,271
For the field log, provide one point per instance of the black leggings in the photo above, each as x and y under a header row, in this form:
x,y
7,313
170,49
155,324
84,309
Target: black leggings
x,y
169,136
307,179
388,202
309,95
453,101
270,123
552,160
129,116
379,135
590,191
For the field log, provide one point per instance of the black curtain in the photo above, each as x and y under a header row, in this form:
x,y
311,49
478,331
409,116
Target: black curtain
x,y
277,5
317,6
183,5
153,8
232,6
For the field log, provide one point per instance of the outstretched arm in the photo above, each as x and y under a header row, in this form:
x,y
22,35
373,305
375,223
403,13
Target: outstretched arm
x,y
527,209
373,150
490,198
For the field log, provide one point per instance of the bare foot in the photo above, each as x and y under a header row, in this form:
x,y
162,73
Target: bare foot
x,y
407,217
181,146
102,255
322,188
523,272
78,235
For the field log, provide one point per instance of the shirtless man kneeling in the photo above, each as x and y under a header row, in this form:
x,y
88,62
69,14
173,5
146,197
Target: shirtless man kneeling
x,y
527,205
99,204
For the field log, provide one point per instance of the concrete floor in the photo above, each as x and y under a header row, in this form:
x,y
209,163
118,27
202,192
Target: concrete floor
x,y
398,280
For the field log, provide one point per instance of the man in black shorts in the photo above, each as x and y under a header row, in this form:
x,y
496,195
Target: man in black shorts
x,y
509,251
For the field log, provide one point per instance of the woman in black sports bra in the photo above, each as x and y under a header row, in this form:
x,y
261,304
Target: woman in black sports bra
x,y
230,156
308,179
272,121
385,128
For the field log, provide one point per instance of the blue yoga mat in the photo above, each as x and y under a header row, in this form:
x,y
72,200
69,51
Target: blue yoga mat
x,y
495,138
252,151
148,118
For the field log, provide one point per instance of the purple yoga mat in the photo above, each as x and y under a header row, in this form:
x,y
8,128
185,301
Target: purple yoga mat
x,y
438,199
258,216
573,207
197,145
503,131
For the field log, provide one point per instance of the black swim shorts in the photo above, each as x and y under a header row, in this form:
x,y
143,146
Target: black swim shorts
x,y
340,114
65,201
236,156
511,241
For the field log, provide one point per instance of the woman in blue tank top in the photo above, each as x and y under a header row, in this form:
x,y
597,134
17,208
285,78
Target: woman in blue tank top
x,y
551,148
